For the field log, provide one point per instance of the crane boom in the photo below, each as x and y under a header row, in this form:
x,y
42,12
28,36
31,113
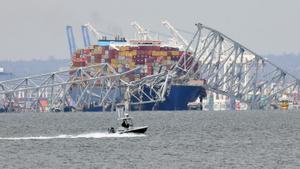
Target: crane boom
x,y
175,33
92,29
143,34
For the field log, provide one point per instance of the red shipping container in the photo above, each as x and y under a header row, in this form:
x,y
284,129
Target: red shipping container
x,y
82,59
97,56
156,47
86,51
150,71
82,64
76,64
77,55
140,52
88,58
139,61
150,60
113,57
114,52
180,53
149,52
159,59
142,47
98,59
133,48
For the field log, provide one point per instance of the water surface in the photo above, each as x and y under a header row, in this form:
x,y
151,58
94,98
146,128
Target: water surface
x,y
224,139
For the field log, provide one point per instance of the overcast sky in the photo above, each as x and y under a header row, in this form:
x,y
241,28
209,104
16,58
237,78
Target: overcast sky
x,y
36,28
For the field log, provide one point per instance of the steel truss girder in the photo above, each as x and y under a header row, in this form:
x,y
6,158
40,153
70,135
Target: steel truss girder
x,y
233,70
25,94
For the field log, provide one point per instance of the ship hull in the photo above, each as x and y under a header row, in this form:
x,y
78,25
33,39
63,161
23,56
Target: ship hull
x,y
177,99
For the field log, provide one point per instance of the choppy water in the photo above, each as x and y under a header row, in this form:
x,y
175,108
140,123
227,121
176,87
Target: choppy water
x,y
174,140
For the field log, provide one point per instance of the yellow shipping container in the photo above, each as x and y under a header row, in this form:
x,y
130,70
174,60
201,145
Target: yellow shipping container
x,y
155,53
122,53
98,51
125,53
134,52
113,61
159,53
123,48
132,64
163,53
175,53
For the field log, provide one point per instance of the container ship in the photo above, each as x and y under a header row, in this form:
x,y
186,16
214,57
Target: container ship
x,y
150,56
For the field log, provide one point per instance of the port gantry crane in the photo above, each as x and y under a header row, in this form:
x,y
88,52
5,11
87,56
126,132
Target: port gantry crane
x,y
85,36
71,39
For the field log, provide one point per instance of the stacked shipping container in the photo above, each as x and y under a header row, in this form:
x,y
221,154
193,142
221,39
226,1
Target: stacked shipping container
x,y
151,59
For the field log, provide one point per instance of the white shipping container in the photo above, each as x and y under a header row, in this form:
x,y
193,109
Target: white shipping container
x,y
105,56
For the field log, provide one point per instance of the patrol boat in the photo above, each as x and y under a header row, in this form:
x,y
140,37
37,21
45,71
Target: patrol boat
x,y
126,124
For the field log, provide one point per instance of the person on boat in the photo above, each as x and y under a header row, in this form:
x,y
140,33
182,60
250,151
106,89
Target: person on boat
x,y
111,130
125,122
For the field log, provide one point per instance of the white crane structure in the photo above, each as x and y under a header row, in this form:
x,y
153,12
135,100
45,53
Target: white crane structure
x,y
93,30
142,33
175,34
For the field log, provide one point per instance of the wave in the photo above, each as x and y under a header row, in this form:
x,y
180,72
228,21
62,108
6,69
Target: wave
x,y
86,135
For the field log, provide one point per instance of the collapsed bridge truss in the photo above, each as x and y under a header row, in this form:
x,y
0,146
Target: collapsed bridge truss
x,y
233,70
28,94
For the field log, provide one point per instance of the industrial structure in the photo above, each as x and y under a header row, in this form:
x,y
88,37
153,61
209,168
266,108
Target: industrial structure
x,y
211,62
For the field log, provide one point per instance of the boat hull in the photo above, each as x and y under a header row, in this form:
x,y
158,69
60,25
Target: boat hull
x,y
137,130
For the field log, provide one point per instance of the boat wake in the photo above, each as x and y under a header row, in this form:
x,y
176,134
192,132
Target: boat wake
x,y
87,135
